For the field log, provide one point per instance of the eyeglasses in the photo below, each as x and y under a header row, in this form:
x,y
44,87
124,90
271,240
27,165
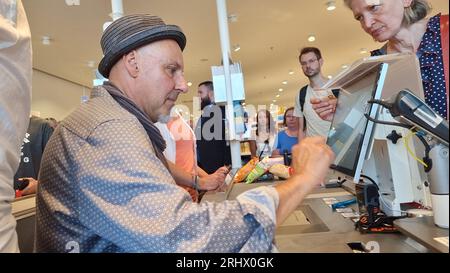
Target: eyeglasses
x,y
308,62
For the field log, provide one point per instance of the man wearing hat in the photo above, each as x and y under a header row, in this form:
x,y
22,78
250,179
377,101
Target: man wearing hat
x,y
104,182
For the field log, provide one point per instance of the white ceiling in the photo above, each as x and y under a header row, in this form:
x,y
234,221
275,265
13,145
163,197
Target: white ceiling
x,y
270,34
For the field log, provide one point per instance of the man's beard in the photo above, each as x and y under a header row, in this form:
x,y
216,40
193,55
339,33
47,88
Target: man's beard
x,y
205,102
312,74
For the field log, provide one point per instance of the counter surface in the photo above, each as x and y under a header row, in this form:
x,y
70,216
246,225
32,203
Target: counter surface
x,y
327,231
424,231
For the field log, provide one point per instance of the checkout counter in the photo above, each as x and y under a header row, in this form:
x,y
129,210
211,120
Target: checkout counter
x,y
315,228
24,210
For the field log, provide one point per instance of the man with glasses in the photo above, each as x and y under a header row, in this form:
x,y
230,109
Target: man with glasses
x,y
310,124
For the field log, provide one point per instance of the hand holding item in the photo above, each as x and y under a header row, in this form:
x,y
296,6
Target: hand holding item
x,y
312,158
213,181
324,107
29,185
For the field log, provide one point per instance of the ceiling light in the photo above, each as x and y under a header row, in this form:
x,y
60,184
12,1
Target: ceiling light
x,y
331,5
280,90
189,84
274,101
278,96
291,72
243,104
91,64
233,18
330,77
363,50
72,2
236,48
46,40
284,82
311,38
344,66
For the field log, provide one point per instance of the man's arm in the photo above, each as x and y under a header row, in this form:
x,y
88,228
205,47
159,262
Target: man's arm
x,y
301,130
311,160
15,86
208,182
137,207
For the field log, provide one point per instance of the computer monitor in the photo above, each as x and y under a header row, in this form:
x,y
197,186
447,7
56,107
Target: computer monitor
x,y
350,132
351,135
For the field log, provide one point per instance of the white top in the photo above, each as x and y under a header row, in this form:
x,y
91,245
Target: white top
x,y
15,100
171,146
315,126
262,147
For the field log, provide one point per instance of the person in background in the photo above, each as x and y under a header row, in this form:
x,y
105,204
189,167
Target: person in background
x,y
36,138
310,123
287,138
264,139
180,152
404,27
213,149
105,185
15,100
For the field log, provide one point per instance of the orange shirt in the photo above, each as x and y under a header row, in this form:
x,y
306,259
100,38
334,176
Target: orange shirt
x,y
185,141
185,147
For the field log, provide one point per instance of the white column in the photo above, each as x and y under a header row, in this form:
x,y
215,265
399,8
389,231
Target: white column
x,y
235,145
117,9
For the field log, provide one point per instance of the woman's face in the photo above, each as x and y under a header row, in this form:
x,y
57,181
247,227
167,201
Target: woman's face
x,y
262,119
291,120
381,19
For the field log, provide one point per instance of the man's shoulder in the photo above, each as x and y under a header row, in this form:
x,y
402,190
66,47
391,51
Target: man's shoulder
x,y
98,110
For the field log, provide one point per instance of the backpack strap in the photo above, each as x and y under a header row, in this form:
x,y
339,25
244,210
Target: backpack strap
x,y
302,96
444,44
336,92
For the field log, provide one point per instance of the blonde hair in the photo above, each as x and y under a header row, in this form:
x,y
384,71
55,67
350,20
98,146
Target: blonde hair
x,y
418,10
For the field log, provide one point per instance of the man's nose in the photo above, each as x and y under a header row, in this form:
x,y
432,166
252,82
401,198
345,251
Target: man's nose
x,y
182,85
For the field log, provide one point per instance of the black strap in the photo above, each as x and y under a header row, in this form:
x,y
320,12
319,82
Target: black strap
x,y
302,96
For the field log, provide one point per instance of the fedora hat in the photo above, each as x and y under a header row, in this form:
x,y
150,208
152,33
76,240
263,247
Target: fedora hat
x,y
132,31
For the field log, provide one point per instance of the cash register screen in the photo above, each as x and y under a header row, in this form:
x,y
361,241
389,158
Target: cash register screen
x,y
349,127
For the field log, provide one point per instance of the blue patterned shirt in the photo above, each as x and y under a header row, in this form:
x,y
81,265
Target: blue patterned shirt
x,y
431,66
102,189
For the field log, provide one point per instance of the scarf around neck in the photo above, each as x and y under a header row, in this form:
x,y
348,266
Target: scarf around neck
x,y
158,142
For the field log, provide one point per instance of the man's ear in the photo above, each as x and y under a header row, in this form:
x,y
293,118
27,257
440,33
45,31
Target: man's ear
x,y
321,62
131,63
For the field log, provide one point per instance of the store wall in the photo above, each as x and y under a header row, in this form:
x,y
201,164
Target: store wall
x,y
55,97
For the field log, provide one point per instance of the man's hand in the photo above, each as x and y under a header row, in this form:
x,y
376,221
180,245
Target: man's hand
x,y
32,186
324,108
213,181
312,158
